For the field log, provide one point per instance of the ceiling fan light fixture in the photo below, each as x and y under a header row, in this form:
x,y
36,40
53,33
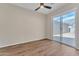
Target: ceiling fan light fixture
x,y
42,6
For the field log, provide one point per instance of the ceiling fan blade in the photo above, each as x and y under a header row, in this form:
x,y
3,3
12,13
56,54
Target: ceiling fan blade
x,y
48,7
37,8
41,4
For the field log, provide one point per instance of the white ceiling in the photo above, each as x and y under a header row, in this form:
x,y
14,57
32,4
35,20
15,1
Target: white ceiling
x,y
33,6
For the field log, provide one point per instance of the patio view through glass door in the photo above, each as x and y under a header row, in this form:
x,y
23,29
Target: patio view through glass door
x,y
64,28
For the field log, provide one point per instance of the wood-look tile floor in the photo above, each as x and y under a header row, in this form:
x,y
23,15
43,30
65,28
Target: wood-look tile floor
x,y
39,48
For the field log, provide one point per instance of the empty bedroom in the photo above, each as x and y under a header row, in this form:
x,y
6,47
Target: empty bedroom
x,y
39,29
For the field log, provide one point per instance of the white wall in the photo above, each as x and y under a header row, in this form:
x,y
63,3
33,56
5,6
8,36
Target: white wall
x,y
49,28
18,25
77,28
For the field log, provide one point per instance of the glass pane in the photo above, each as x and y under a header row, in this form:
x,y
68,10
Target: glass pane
x,y
68,32
56,28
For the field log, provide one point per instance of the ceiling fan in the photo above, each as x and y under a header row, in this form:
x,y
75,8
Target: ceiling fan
x,y
43,6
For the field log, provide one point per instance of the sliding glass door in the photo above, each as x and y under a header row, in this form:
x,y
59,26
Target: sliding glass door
x,y
64,28
56,28
68,32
